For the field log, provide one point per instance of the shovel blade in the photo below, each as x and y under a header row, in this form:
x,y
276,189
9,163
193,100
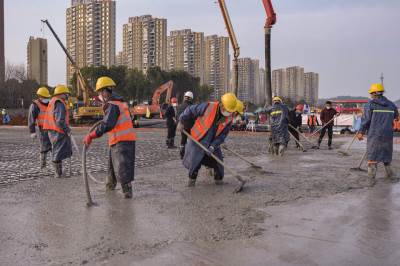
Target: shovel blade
x,y
239,188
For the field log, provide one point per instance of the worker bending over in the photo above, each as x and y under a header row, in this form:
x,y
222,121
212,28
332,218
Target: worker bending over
x,y
377,122
56,122
117,122
327,118
296,120
279,120
36,117
211,124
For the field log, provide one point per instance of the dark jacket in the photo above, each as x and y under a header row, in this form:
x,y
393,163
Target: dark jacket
x,y
181,108
295,119
279,117
170,115
327,115
377,120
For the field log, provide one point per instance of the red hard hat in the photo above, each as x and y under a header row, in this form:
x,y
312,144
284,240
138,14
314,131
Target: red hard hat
x,y
174,100
300,107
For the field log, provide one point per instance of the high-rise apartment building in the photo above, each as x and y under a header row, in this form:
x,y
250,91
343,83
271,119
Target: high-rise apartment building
x,y
145,43
260,92
311,87
249,72
37,60
186,52
292,83
217,65
2,59
120,59
91,33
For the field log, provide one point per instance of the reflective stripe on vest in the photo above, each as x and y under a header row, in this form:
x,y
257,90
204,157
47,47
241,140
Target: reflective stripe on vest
x,y
49,119
205,122
42,114
312,120
383,111
276,112
123,129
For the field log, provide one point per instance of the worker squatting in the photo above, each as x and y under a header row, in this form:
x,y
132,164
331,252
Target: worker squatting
x,y
204,128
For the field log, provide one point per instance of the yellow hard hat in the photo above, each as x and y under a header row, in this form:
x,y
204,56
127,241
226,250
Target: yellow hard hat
x,y
376,88
61,89
104,82
229,102
43,92
240,107
277,99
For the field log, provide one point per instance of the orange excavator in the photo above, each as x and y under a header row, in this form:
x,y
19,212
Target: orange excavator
x,y
154,108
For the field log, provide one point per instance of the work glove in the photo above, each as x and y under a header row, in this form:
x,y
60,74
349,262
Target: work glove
x,y
360,136
210,151
33,136
180,127
89,137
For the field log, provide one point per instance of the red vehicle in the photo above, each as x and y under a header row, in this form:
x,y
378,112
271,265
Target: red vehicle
x,y
349,106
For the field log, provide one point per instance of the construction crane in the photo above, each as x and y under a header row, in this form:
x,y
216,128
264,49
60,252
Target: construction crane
x,y
271,20
235,45
85,111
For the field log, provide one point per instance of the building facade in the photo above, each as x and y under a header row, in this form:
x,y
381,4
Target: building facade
x,y
295,82
91,33
249,74
260,92
311,87
37,60
217,65
186,52
279,83
145,43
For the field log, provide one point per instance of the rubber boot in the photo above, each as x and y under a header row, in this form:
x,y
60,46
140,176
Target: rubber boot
x,y
372,168
172,143
111,182
275,149
127,190
389,173
218,179
281,150
42,160
192,179
57,169
182,151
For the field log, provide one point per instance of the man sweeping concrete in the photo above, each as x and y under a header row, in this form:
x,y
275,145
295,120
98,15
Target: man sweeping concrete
x,y
377,122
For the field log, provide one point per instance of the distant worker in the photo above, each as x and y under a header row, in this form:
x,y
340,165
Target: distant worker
x,y
36,117
377,122
279,120
171,117
212,122
312,122
117,122
327,118
6,117
56,122
187,101
296,120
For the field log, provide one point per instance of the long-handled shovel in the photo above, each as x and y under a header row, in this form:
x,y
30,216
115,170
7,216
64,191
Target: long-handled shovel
x,y
236,175
252,165
324,126
298,142
346,151
304,136
360,163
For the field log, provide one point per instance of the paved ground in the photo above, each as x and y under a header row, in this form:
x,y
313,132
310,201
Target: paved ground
x,y
311,211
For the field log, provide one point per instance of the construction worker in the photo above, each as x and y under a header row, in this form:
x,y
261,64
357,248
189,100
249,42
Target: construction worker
x,y
279,120
377,122
56,122
170,115
312,122
6,117
296,120
327,118
36,117
117,123
187,101
212,122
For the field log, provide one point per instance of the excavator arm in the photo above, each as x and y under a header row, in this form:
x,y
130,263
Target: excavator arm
x,y
157,93
235,45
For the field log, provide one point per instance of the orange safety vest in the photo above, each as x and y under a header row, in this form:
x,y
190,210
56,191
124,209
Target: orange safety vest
x,y
312,120
396,125
205,122
42,114
50,121
123,130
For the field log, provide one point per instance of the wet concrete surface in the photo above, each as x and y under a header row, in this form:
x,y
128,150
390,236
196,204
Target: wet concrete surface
x,y
311,211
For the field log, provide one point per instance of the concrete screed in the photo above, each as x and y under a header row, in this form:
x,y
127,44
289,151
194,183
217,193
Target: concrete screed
x,y
311,211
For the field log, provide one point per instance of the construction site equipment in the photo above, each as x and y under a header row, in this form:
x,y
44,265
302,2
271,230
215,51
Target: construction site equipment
x,y
235,45
304,136
358,168
298,142
252,165
271,20
241,180
346,151
154,109
85,112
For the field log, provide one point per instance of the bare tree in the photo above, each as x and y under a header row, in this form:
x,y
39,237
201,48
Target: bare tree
x,y
15,71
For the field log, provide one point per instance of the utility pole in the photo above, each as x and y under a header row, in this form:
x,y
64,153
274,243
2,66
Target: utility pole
x,y
382,78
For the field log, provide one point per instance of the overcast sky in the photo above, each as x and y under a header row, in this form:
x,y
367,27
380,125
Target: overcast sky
x,y
348,42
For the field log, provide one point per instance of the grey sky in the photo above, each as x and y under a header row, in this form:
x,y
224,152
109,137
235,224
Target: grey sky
x,y
348,42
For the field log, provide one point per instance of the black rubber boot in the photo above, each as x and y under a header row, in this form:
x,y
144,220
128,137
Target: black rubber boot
x,y
42,160
192,179
57,169
127,190
111,183
182,151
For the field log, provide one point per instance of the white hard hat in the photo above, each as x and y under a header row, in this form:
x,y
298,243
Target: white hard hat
x,y
189,94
